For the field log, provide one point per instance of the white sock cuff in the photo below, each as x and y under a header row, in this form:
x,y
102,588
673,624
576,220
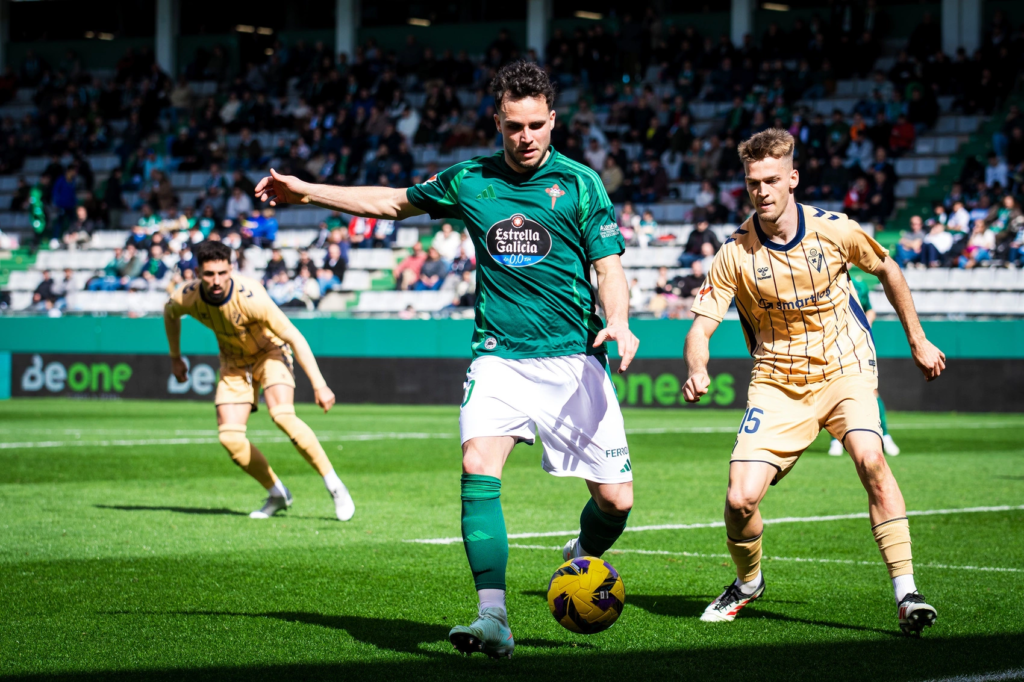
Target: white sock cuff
x,y
902,585
750,587
491,599
332,481
277,490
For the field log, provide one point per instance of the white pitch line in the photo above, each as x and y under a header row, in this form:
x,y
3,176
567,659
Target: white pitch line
x,y
1015,674
852,562
400,435
721,524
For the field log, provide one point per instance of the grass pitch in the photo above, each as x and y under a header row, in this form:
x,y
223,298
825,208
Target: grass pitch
x,y
126,553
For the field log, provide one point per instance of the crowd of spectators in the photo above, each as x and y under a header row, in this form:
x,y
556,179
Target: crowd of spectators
x,y
344,119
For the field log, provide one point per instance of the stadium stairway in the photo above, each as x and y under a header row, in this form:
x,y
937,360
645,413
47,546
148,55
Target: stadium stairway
x,y
938,185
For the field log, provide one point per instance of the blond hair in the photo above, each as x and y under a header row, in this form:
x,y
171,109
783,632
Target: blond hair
x,y
773,142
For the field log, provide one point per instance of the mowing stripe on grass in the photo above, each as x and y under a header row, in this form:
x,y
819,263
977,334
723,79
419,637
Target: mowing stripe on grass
x,y
211,441
852,562
1015,674
721,524
205,437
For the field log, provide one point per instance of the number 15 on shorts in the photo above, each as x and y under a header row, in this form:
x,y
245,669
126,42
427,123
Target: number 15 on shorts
x,y
751,420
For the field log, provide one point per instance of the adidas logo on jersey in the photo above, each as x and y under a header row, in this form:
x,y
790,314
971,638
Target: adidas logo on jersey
x,y
487,193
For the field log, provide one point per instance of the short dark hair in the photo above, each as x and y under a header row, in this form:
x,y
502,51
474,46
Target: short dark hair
x,y
519,80
210,250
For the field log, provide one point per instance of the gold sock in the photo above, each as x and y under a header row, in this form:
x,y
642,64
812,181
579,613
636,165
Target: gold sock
x,y
302,437
746,554
893,538
245,454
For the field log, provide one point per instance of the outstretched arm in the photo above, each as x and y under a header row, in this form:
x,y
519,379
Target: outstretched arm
x,y
929,359
172,325
368,202
697,354
283,327
613,291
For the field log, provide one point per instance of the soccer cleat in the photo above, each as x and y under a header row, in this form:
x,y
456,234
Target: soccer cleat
x,y
915,614
273,505
344,507
729,603
572,550
489,634
835,448
889,446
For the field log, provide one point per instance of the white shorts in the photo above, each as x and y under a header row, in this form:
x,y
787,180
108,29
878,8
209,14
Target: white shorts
x,y
569,400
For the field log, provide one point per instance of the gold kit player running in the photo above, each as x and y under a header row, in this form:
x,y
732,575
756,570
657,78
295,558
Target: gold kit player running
x,y
256,344
815,365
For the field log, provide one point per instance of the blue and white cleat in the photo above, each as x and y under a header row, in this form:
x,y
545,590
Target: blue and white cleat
x,y
489,634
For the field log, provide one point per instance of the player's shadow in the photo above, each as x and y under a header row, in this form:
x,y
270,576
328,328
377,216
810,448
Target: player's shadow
x,y
692,606
393,634
201,511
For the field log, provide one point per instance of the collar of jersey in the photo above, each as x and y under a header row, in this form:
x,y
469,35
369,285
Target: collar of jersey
x,y
801,229
202,295
526,176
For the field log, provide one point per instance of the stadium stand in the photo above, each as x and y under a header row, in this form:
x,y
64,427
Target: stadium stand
x,y
110,175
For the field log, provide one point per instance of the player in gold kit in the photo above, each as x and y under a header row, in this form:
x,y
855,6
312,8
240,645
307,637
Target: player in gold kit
x,y
815,365
256,344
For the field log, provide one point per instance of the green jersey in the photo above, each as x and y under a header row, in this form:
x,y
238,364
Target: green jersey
x,y
535,235
863,293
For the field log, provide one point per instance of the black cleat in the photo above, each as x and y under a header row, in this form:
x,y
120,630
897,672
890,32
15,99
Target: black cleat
x,y
915,614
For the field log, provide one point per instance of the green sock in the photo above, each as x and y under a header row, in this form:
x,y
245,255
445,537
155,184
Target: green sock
x,y
881,416
483,531
599,530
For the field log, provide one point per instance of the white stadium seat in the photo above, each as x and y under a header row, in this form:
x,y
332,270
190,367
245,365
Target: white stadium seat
x,y
396,301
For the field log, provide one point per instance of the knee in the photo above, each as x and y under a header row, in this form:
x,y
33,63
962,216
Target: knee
x,y
618,501
281,414
232,437
871,465
474,462
739,504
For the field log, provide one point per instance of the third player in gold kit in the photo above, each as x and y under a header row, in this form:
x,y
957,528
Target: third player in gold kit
x,y
814,364
257,342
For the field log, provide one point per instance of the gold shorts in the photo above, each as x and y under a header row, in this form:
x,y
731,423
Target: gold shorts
x,y
240,382
782,420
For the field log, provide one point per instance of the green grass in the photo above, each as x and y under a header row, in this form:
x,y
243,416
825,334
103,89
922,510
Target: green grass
x,y
138,562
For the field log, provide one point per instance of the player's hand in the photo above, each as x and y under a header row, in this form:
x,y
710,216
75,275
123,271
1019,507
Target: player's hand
x,y
626,340
179,369
324,398
929,359
696,386
283,189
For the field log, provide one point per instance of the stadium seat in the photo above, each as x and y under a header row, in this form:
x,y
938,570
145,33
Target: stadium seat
x,y
371,259
108,239
396,301
356,280
651,257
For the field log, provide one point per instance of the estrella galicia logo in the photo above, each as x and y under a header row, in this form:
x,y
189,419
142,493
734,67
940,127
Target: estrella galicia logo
x,y
815,258
518,242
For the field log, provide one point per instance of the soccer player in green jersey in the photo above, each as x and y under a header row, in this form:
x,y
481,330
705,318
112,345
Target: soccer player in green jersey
x,y
539,221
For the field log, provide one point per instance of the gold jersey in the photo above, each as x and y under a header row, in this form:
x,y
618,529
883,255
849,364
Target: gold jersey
x,y
248,324
800,316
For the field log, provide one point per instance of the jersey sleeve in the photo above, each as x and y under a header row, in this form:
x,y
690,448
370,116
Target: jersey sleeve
x,y
719,288
601,235
861,249
176,306
439,195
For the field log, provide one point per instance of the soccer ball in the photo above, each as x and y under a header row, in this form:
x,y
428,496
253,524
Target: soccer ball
x,y
586,595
